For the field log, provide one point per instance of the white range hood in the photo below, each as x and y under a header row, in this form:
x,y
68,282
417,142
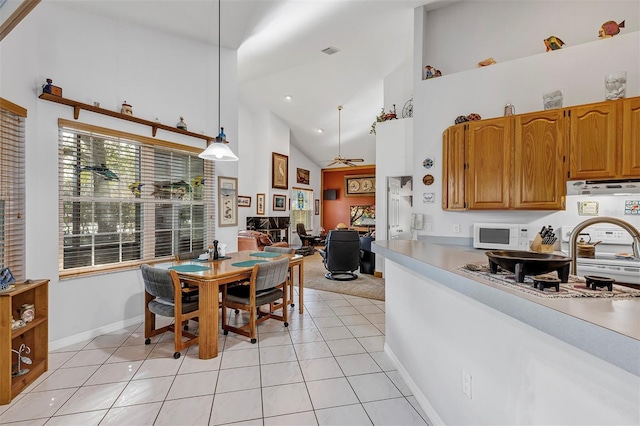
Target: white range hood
x,y
603,187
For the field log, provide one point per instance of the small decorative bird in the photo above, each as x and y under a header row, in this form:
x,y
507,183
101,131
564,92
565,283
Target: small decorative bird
x,y
197,181
101,170
136,187
553,43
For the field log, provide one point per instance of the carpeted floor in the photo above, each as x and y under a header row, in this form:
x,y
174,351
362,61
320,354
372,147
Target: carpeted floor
x,y
365,286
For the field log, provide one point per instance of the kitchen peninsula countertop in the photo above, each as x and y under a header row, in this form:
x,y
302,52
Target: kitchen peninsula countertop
x,y
604,327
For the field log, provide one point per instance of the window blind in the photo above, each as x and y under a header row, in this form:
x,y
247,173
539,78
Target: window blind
x,y
125,199
12,187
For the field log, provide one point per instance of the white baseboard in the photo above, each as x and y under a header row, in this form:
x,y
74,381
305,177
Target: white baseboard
x,y
434,419
90,334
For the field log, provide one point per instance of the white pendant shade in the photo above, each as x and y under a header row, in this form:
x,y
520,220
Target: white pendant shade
x,y
218,151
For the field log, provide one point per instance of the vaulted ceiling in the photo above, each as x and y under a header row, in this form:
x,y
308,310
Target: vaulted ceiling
x,y
280,45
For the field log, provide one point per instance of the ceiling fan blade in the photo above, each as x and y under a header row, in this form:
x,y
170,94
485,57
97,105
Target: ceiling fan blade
x,y
350,164
332,163
355,160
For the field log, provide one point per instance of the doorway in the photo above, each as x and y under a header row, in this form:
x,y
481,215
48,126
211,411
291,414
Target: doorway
x,y
399,204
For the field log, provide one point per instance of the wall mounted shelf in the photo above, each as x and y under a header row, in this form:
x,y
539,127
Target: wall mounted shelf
x,y
77,106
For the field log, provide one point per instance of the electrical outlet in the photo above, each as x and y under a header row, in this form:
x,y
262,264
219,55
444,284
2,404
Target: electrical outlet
x,y
466,384
456,228
427,227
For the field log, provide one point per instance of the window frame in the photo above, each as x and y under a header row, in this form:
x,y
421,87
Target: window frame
x,y
308,217
148,230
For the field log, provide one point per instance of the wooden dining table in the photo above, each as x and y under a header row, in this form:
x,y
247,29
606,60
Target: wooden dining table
x,y
208,276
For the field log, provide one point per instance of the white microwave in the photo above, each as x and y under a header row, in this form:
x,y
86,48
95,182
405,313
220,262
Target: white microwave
x,y
500,236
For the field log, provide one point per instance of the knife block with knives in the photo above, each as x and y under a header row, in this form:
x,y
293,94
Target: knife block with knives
x,y
544,240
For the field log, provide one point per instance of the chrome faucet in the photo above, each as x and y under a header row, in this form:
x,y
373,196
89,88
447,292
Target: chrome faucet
x,y
635,234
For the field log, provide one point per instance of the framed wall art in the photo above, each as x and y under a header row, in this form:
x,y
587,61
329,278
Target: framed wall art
x,y
302,176
359,185
279,202
227,201
244,201
260,204
279,171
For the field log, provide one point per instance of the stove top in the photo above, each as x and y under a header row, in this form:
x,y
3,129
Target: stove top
x,y
613,256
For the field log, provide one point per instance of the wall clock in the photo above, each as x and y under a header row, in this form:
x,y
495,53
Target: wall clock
x,y
427,179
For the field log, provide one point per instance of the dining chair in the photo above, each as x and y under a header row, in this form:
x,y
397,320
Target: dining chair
x,y
261,290
190,291
285,250
163,296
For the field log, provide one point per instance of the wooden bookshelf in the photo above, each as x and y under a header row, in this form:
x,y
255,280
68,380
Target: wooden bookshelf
x,y
34,334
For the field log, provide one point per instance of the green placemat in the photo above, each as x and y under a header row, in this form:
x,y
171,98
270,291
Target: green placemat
x,y
247,263
265,254
189,268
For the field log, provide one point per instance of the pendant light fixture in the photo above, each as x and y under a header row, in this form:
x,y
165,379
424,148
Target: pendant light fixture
x,y
219,150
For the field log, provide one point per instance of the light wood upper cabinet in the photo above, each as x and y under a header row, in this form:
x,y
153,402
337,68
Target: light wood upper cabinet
x,y
490,163
593,135
453,153
631,138
523,161
540,154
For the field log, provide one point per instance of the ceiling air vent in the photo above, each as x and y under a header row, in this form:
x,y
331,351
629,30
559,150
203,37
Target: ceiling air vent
x,y
330,50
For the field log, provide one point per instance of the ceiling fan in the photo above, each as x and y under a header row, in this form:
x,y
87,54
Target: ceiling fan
x,y
339,159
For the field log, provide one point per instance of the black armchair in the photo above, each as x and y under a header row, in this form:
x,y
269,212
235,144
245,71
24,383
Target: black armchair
x,y
306,239
341,255
367,257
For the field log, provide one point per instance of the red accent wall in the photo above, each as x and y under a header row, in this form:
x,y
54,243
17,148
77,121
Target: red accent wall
x,y
336,211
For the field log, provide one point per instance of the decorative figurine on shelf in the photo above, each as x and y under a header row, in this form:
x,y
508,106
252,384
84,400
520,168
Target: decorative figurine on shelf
x,y
553,43
464,118
615,85
609,29
17,324
24,349
486,62
51,89
27,312
181,124
46,88
461,119
552,100
431,72
509,109
126,109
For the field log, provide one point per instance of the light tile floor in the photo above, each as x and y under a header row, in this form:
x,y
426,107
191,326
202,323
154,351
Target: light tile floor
x,y
327,368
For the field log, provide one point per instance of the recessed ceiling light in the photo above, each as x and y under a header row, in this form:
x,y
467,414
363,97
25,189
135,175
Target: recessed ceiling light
x,y
288,97
319,130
